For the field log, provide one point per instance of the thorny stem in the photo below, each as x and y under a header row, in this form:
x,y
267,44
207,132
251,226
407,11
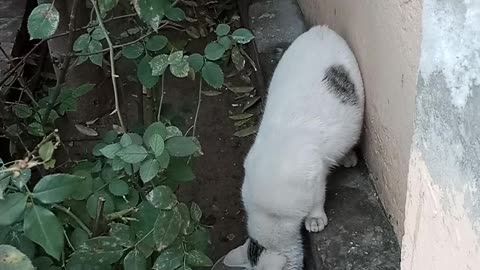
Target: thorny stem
x,y
65,64
198,107
112,64
161,98
74,217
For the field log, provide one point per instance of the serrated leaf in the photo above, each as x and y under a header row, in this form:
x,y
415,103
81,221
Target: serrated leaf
x,y
12,259
133,51
156,43
36,129
238,59
196,258
222,29
159,64
195,212
154,128
95,47
122,234
22,111
86,130
132,153
186,220
173,131
55,188
43,21
92,201
149,170
110,136
106,5
151,11
78,237
246,131
12,207
144,220
181,69
111,150
242,116
242,36
118,188
196,61
226,41
144,73
157,144
46,151
180,146
42,227
213,74
169,259
175,14
162,197
135,261
98,34
179,172
214,51
102,249
126,140
164,160
175,58
166,228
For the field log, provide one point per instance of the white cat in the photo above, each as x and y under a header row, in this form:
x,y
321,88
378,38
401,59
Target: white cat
x,y
313,118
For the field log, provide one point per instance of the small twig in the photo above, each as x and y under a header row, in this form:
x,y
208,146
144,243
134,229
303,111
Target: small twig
x,y
112,64
99,215
162,94
74,217
121,214
252,63
68,240
198,107
21,62
65,65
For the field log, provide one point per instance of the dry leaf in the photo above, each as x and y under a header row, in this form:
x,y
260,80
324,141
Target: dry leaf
x,y
86,130
211,93
251,102
241,89
241,122
246,131
241,116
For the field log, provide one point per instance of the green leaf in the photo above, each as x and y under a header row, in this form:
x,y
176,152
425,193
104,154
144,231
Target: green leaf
x,y
154,128
110,136
159,64
169,259
22,111
13,235
118,188
214,51
134,261
195,212
151,11
196,61
238,59
136,139
133,51
175,58
99,250
179,171
156,43
226,41
222,30
43,21
132,153
81,43
173,131
180,146
196,258
125,140
83,90
95,46
92,201
12,207
213,74
36,129
162,197
163,159
111,150
55,188
118,164
143,222
106,5
181,69
78,237
149,170
144,73
46,151
122,234
166,228
175,14
131,200
242,36
41,114
157,144
185,213
96,149
12,259
98,34
42,227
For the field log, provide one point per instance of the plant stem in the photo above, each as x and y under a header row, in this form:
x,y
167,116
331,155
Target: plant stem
x,y
120,214
161,97
98,216
198,107
116,46
112,64
74,217
68,240
65,64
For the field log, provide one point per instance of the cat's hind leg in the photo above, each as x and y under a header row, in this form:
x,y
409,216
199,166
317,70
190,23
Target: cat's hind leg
x,y
349,160
316,220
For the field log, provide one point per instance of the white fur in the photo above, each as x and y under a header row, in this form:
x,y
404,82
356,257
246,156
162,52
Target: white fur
x,y
305,131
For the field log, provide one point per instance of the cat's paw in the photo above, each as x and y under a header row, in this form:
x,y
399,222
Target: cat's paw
x,y
350,160
316,224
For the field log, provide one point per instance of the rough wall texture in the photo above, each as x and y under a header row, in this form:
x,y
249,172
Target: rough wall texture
x,y
385,36
442,226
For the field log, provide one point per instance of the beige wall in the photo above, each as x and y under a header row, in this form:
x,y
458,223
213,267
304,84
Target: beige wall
x,y
385,36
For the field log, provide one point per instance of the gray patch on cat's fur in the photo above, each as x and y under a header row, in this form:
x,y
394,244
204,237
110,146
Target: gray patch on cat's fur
x,y
340,84
254,251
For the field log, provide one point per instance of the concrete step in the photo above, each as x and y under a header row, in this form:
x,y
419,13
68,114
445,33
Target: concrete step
x,y
359,235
